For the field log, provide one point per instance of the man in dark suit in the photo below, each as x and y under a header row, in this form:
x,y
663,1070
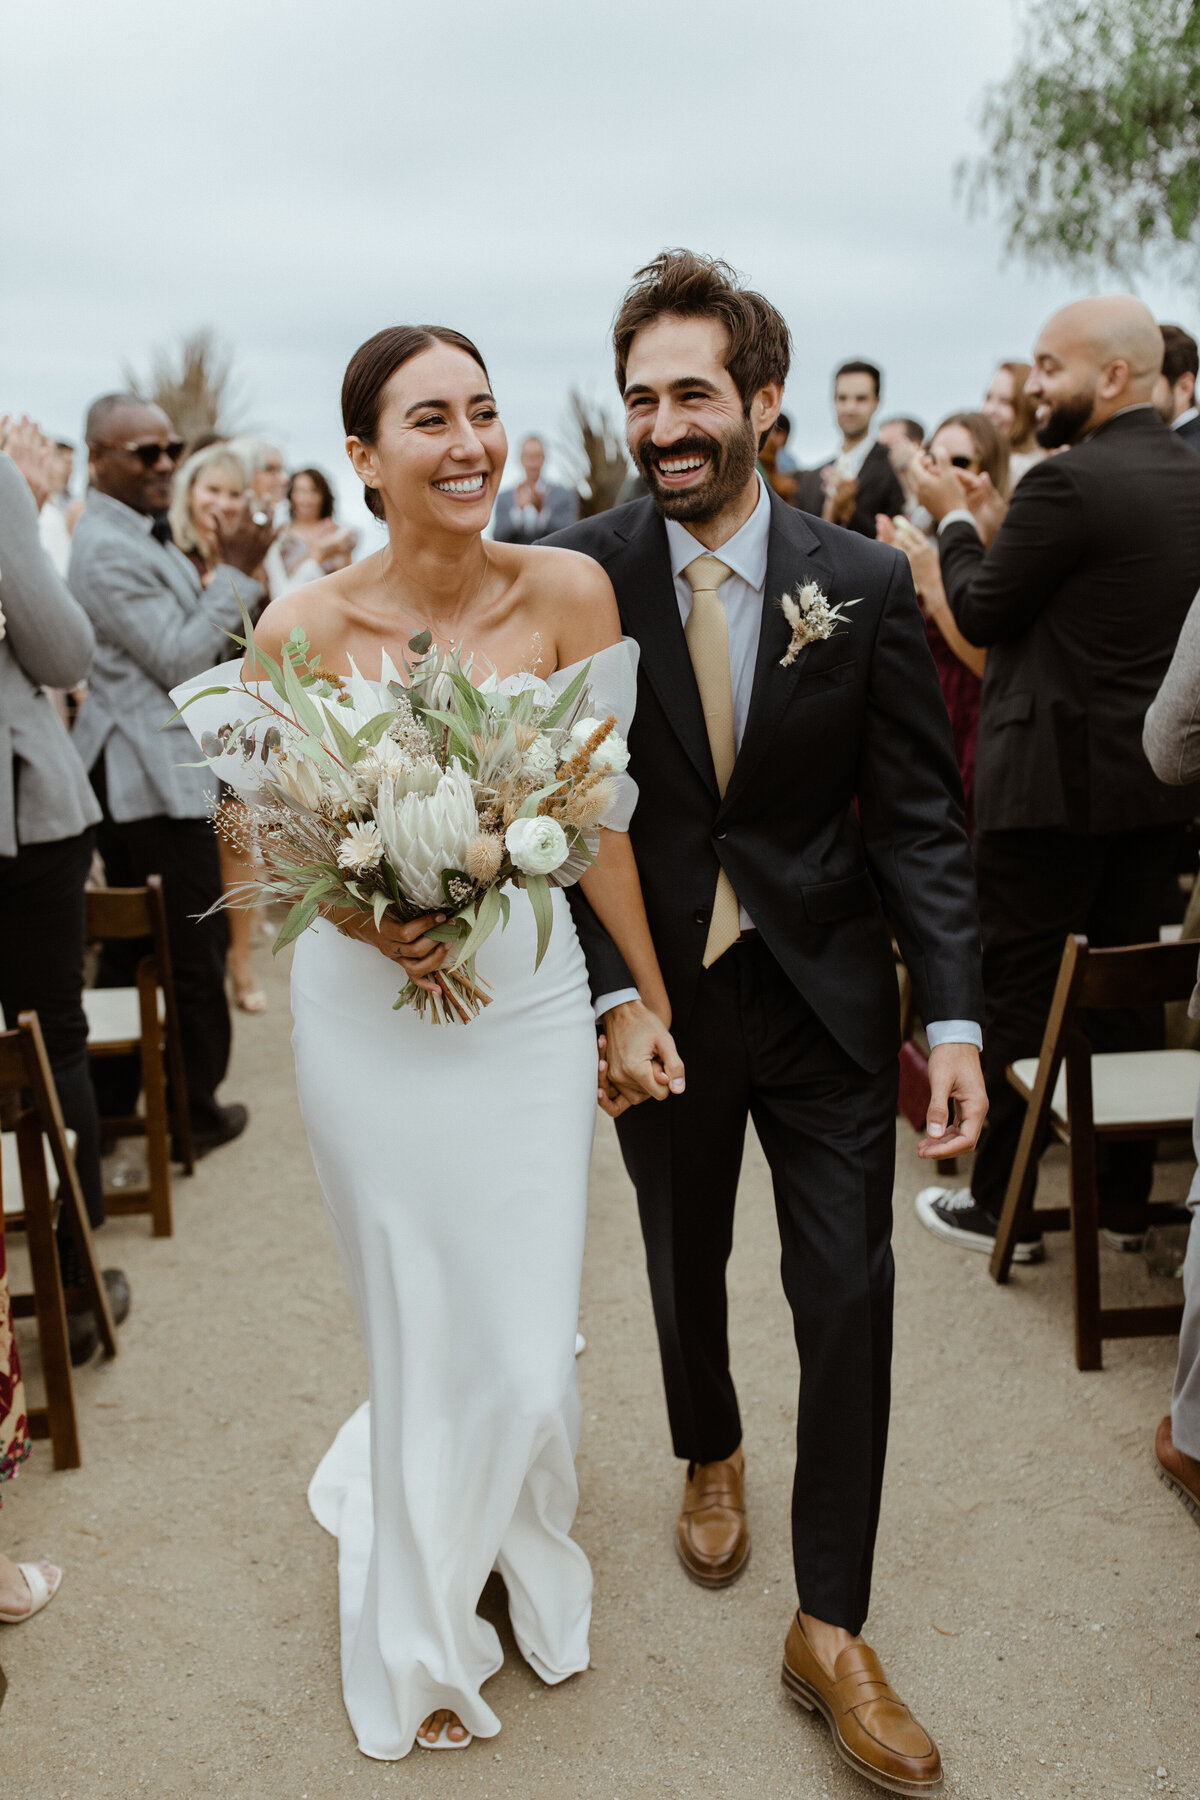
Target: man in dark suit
x,y
860,481
1079,600
791,799
1175,390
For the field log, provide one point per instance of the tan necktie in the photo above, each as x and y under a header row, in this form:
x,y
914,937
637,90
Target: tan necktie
x,y
707,635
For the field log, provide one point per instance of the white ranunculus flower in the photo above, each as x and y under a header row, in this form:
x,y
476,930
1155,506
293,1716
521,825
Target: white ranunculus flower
x,y
541,758
537,846
299,778
425,833
360,849
612,758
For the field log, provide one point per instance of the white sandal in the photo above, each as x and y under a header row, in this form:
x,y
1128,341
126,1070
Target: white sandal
x,y
41,1593
443,1740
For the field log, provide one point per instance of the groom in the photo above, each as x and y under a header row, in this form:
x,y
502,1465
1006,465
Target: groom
x,y
792,807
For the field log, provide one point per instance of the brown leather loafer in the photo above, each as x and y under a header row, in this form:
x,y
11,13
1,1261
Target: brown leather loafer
x,y
712,1537
872,1728
1177,1468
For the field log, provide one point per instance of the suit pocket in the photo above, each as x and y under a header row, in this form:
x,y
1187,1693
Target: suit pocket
x,y
827,901
1012,710
834,674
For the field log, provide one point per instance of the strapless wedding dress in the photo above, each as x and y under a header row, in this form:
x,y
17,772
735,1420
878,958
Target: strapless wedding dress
x,y
453,1162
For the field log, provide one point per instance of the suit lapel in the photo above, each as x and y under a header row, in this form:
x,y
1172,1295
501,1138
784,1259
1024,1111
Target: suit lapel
x,y
640,569
794,556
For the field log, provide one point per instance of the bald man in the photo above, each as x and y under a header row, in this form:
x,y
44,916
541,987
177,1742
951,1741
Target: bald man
x,y
1078,593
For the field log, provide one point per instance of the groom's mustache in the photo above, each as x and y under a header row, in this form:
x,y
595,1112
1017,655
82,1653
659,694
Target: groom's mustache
x,y
696,444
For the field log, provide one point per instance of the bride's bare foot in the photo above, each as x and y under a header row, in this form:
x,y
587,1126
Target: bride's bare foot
x,y
15,1596
431,1730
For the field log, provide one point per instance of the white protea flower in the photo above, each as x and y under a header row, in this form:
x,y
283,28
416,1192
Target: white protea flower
x,y
612,756
425,832
360,849
300,778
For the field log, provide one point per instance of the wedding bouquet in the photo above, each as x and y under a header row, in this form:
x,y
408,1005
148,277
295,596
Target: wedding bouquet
x,y
396,798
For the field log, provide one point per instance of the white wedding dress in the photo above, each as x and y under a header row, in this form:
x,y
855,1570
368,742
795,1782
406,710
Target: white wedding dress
x,y
453,1161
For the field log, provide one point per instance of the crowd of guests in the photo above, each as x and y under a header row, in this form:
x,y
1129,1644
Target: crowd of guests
x,y
1055,592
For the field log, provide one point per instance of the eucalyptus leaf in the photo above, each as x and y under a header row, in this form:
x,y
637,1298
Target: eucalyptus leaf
x,y
298,920
379,905
567,698
538,889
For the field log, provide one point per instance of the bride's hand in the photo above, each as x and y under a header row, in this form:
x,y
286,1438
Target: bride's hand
x,y
638,1059
419,956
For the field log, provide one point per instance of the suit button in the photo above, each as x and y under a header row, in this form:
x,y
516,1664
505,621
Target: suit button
x,y
720,834
701,918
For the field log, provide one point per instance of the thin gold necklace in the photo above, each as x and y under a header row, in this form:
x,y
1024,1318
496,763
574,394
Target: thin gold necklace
x,y
431,625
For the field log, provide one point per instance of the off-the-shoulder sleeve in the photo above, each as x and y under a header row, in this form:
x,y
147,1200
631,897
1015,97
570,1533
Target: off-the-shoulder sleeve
x,y
613,684
208,712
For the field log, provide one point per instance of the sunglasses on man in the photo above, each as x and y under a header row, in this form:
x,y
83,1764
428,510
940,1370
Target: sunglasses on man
x,y
148,454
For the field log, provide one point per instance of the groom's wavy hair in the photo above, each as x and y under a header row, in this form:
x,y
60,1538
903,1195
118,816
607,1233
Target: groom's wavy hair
x,y
372,367
702,287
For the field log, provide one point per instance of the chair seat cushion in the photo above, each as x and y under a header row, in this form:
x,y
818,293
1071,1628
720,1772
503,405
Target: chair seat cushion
x,y
1130,1087
113,1016
10,1170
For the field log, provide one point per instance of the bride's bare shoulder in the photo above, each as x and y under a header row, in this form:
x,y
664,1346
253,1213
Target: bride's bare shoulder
x,y
317,608
572,598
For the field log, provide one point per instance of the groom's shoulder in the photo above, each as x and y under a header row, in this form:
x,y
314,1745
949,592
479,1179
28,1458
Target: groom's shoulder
x,y
853,558
600,535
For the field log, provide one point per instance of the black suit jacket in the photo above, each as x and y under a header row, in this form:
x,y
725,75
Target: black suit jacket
x,y
1189,434
844,803
879,491
1079,602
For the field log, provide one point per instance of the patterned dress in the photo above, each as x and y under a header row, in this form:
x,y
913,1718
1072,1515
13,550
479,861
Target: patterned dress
x,y
14,1422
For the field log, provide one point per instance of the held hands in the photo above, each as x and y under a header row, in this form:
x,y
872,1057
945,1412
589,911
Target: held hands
x,y
955,1075
638,1059
419,956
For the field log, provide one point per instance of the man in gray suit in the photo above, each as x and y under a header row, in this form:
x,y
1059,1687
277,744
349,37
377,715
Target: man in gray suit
x,y
156,625
529,512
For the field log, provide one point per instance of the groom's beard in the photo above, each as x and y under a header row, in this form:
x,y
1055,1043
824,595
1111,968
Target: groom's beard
x,y
1066,422
730,466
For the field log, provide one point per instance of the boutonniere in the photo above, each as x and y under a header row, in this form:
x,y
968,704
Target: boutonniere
x,y
812,619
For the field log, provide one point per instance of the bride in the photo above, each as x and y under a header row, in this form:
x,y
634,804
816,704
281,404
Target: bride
x,y
454,1161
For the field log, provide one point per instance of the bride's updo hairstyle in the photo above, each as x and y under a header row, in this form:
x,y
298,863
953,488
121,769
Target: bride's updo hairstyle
x,y
372,367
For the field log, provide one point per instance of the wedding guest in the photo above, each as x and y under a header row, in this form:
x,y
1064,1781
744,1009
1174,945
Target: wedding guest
x,y
156,624
859,482
963,441
24,1587
527,513
207,496
312,543
56,520
777,467
1175,389
47,818
902,438
263,462
1171,740
1011,409
1078,593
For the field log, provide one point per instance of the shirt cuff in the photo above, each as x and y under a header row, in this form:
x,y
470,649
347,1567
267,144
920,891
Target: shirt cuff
x,y
954,1031
617,998
960,516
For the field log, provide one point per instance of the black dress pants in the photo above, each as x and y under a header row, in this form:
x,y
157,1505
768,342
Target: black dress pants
x,y
42,920
1034,888
753,1048
184,852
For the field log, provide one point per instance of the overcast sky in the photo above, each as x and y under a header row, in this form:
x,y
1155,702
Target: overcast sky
x,y
300,174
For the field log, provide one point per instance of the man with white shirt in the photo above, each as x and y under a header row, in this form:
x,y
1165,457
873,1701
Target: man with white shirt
x,y
1175,390
860,481
793,792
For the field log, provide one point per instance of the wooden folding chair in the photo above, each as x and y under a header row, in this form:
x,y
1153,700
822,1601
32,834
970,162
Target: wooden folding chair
x,y
30,1115
1082,1097
144,1020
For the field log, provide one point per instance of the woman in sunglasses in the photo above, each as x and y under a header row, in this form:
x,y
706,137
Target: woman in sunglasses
x,y
968,442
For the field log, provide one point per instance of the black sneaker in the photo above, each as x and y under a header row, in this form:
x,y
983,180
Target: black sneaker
x,y
83,1339
952,1214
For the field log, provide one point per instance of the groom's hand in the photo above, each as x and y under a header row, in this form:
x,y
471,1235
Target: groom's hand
x,y
638,1059
955,1075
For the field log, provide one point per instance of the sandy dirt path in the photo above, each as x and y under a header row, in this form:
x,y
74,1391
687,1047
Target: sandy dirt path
x,y
1037,1594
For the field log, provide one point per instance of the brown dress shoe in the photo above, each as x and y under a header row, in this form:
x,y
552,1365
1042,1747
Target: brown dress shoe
x,y
872,1728
1177,1468
712,1537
